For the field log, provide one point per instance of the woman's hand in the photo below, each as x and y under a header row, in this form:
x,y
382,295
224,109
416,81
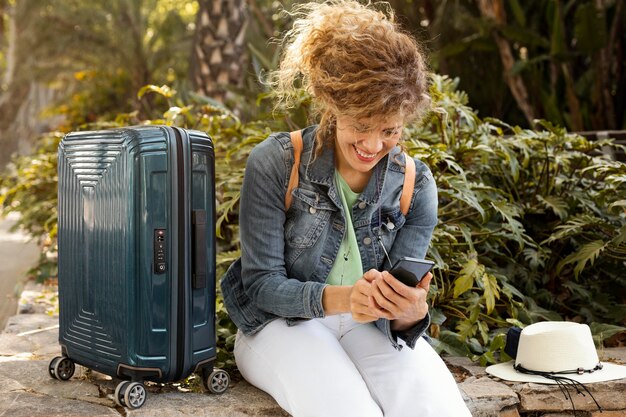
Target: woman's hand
x,y
380,295
360,296
392,299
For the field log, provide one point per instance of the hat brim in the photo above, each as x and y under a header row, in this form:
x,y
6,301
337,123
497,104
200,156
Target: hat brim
x,y
609,372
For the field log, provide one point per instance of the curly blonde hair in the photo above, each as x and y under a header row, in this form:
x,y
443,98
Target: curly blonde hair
x,y
354,60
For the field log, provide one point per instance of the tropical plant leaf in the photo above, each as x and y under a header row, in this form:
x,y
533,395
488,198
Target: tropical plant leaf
x,y
516,323
510,291
620,239
534,258
225,258
450,343
467,236
588,253
574,226
602,331
538,313
509,212
466,328
465,281
491,291
527,36
462,191
518,12
557,204
163,90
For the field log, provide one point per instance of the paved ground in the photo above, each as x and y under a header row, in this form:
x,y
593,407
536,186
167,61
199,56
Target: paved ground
x,y
17,255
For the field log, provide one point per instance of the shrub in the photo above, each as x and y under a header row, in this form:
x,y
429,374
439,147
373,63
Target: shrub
x,y
532,223
29,186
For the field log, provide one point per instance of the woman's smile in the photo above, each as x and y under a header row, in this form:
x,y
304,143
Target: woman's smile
x,y
364,156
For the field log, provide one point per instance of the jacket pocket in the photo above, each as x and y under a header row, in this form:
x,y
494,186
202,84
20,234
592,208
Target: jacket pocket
x,y
306,218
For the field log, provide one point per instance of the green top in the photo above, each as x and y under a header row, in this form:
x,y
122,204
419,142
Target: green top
x,y
347,268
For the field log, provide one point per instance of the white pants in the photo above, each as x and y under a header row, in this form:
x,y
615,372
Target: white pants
x,y
335,367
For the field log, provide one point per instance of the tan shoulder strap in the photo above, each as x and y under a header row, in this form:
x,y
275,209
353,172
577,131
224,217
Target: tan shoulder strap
x,y
409,184
294,178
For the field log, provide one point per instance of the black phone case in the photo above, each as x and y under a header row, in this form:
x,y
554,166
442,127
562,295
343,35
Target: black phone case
x,y
410,271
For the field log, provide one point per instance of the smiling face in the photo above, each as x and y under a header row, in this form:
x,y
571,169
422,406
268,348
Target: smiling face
x,y
361,143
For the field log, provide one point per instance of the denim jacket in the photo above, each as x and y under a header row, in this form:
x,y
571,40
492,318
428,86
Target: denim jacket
x,y
286,256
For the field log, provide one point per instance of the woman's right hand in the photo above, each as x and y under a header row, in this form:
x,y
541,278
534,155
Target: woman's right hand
x,y
360,299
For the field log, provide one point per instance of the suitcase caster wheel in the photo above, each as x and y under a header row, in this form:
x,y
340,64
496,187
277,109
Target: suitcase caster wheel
x,y
119,393
134,394
51,366
217,382
61,368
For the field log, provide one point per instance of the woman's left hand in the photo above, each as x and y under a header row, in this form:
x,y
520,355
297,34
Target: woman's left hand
x,y
407,305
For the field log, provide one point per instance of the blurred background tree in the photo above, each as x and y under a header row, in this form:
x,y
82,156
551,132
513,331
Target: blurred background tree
x,y
518,60
86,60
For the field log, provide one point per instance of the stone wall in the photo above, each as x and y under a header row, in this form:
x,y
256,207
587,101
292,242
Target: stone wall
x,y
30,341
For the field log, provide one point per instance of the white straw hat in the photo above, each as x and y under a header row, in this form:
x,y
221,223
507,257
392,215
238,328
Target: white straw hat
x,y
553,350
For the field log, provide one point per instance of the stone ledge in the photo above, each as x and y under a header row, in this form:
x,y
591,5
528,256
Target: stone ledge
x,y
31,340
25,404
91,394
486,397
611,395
241,400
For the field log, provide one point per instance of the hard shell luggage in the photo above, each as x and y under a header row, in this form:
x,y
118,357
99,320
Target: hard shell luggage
x,y
137,257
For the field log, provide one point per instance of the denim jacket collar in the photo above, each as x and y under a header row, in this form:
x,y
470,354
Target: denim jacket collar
x,y
321,170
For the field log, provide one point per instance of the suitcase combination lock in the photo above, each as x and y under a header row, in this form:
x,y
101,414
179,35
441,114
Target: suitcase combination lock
x,y
160,266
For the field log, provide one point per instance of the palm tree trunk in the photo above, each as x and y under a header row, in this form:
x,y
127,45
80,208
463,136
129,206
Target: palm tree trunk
x,y
219,53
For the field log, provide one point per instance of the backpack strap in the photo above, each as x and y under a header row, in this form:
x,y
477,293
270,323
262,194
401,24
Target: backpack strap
x,y
294,177
409,184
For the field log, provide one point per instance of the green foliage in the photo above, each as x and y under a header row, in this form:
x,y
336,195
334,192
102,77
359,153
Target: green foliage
x,y
29,187
532,223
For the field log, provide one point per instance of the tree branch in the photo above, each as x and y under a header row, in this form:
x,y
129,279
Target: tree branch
x,y
494,10
605,64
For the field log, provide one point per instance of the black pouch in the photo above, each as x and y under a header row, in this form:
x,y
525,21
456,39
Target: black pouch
x,y
512,340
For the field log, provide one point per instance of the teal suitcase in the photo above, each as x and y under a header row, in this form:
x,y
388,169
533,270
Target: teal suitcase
x,y
137,257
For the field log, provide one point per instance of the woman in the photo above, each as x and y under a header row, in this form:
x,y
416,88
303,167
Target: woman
x,y
321,329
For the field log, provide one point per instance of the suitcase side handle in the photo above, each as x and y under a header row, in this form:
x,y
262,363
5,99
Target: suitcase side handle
x,y
199,252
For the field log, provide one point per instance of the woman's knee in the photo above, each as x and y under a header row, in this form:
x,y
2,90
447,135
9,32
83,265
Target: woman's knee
x,y
311,375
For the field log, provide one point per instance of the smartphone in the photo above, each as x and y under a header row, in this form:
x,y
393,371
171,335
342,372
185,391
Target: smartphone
x,y
410,271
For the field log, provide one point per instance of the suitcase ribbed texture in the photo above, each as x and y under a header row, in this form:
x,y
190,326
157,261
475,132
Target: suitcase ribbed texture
x,y
95,215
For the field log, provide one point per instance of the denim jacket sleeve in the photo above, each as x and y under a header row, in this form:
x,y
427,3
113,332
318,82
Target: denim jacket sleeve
x,y
414,237
261,220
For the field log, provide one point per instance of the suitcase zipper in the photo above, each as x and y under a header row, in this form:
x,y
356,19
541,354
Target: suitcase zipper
x,y
182,231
